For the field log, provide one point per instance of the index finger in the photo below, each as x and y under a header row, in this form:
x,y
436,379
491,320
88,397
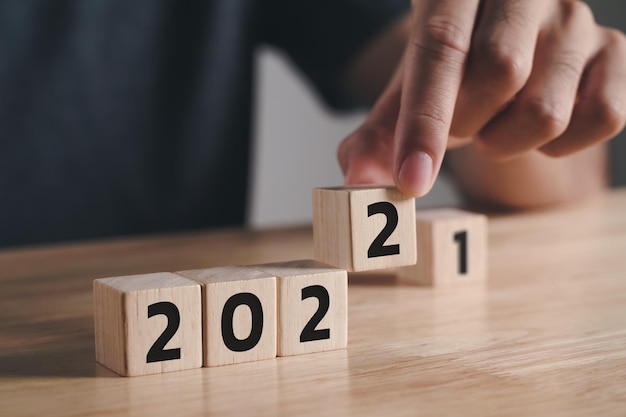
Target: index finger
x,y
435,63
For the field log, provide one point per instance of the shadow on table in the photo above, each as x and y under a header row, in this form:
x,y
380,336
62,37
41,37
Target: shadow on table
x,y
374,278
52,348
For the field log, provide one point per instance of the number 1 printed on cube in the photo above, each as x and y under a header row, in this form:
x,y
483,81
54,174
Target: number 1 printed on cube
x,y
451,246
364,228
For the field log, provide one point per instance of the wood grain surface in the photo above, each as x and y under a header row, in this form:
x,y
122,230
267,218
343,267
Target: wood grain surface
x,y
545,336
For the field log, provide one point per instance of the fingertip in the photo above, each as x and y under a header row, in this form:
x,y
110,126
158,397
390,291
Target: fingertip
x,y
415,176
365,176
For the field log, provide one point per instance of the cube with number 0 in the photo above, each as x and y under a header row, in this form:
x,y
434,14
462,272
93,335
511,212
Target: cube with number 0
x,y
146,324
451,246
312,306
239,308
364,228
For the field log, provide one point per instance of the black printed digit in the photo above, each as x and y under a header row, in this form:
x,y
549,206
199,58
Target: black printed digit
x,y
378,247
310,333
461,239
256,310
157,353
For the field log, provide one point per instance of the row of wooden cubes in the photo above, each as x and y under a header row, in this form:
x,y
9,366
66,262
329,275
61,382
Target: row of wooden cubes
x,y
173,321
368,228
162,322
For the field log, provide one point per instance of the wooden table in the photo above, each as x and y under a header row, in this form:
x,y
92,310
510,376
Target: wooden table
x,y
545,337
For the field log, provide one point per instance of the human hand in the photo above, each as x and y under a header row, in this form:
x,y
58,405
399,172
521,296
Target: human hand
x,y
508,76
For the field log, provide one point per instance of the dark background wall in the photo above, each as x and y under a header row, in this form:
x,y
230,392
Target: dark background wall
x,y
613,13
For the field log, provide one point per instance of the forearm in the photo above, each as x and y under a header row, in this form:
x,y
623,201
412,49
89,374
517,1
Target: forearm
x,y
530,181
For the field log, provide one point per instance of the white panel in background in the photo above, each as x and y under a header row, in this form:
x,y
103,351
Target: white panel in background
x,y
295,142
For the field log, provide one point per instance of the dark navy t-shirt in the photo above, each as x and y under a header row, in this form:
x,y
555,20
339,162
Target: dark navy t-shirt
x,y
121,117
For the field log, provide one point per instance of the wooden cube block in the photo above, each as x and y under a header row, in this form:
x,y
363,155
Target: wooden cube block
x,y
451,248
239,310
312,306
364,228
146,324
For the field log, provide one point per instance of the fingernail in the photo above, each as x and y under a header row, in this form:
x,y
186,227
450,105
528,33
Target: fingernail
x,y
415,175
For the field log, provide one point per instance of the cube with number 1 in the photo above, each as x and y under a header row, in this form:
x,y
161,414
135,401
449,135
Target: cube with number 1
x,y
451,246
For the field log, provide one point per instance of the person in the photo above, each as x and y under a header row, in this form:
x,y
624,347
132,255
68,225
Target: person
x,y
121,118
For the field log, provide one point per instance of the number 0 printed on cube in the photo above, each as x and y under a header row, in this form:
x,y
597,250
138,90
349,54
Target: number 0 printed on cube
x,y
239,314
364,228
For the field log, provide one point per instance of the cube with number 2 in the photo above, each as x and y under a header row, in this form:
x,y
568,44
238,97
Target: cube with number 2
x,y
312,306
364,228
147,324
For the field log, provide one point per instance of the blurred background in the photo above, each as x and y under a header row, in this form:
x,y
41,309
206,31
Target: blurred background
x,y
294,133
